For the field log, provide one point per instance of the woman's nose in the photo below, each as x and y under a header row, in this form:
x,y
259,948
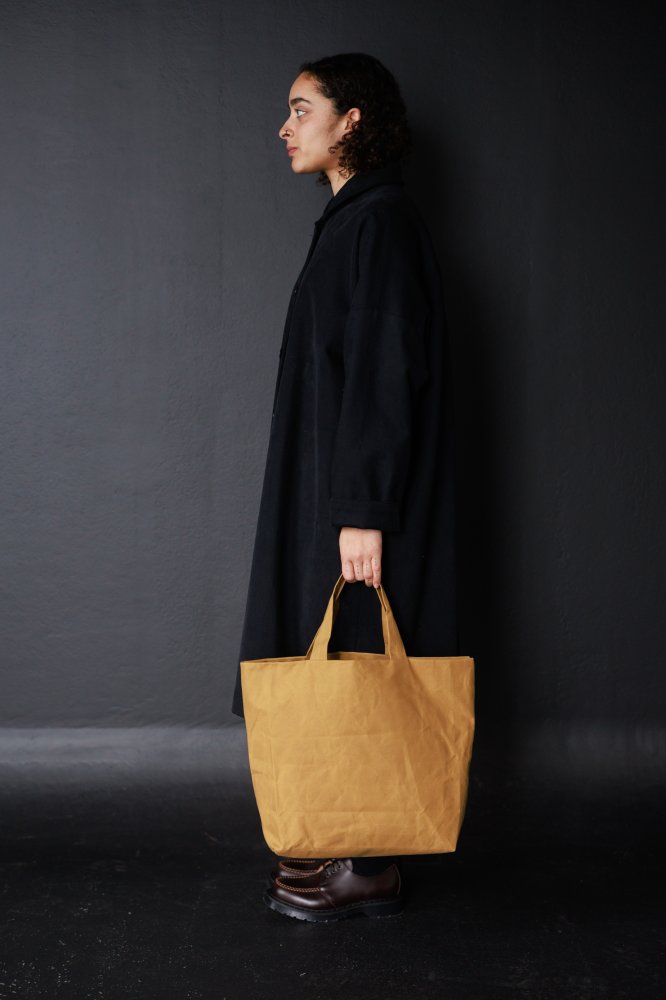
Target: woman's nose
x,y
284,131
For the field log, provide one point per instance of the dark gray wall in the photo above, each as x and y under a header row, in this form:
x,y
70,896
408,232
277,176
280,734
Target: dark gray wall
x,y
151,232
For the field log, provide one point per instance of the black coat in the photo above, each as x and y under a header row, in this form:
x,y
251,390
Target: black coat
x,y
361,435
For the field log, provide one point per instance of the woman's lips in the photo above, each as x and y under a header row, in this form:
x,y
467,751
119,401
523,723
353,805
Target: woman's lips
x,y
291,150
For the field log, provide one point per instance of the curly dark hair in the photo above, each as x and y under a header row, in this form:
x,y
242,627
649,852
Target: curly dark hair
x,y
356,80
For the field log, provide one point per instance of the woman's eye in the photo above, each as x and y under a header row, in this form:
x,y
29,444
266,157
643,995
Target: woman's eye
x,y
301,110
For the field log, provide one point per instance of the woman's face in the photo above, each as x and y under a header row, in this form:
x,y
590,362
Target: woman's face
x,y
313,126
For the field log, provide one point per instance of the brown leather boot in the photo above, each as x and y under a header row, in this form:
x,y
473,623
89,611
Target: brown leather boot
x,y
335,891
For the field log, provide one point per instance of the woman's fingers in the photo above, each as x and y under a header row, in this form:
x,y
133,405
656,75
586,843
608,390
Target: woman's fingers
x,y
361,555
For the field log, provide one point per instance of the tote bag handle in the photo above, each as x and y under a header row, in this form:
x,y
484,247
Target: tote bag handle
x,y
393,644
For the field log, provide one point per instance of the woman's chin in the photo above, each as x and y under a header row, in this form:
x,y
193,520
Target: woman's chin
x,y
301,166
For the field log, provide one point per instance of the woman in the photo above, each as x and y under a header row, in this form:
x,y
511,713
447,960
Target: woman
x,y
358,475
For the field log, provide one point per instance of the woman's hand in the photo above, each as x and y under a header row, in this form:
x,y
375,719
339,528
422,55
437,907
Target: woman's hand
x,y
361,555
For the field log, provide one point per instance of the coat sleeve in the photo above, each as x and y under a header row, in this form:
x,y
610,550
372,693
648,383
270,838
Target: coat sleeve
x,y
385,367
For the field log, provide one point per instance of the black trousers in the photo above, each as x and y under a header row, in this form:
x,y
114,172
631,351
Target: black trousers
x,y
372,866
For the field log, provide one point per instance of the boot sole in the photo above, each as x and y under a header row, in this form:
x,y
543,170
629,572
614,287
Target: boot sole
x,y
367,908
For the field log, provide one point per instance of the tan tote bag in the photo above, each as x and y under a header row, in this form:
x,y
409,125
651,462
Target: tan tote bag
x,y
359,754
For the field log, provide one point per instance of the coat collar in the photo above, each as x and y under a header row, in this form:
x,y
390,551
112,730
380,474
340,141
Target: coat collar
x,y
389,173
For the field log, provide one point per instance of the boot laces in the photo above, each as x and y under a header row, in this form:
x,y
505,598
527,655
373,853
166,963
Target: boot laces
x,y
332,866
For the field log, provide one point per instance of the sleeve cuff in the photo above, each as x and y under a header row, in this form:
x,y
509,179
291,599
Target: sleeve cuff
x,y
378,514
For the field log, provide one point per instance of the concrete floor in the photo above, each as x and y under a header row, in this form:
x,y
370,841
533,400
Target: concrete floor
x,y
543,899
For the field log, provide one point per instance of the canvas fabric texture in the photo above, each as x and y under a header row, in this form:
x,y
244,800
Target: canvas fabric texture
x,y
359,753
